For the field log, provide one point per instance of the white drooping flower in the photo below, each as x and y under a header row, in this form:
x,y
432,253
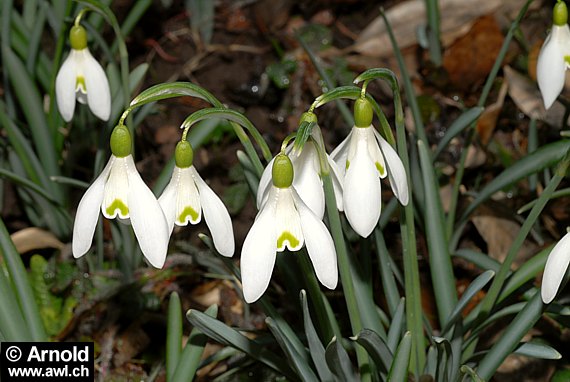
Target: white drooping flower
x,y
119,191
555,269
307,180
554,57
187,197
284,221
364,157
81,77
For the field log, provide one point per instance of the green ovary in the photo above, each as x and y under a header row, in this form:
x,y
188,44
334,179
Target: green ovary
x,y
118,205
287,236
188,211
80,82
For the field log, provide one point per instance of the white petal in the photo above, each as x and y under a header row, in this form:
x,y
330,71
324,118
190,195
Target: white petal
x,y
188,206
307,181
65,86
555,269
337,182
97,84
287,222
339,154
116,201
217,217
368,134
88,213
551,67
320,245
168,198
264,183
396,171
258,253
362,193
147,218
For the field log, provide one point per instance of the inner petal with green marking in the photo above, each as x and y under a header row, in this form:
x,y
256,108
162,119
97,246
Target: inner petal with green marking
x,y
288,238
119,205
380,168
188,214
80,84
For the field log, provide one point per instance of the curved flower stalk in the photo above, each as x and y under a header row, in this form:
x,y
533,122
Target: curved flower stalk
x,y
554,57
284,221
364,157
119,191
187,197
307,180
81,77
555,269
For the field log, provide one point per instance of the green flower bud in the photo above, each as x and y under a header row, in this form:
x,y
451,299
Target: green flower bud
x,y
184,154
308,117
121,141
282,171
560,14
362,113
78,37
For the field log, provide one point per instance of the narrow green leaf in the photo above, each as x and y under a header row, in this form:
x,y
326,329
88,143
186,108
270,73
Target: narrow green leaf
x,y
173,335
31,104
225,335
28,184
461,123
202,18
316,348
537,350
396,325
297,360
545,156
190,357
386,271
400,365
473,288
481,260
527,272
171,90
516,330
12,323
339,362
376,348
21,286
440,259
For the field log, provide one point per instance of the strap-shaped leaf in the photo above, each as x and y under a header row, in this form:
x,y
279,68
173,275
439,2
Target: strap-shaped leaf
x,y
400,365
376,348
537,350
316,348
473,288
339,362
461,123
189,360
173,334
225,335
297,360
397,325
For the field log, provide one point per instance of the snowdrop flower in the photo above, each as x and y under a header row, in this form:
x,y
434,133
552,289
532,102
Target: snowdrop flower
x,y
555,269
120,192
187,197
363,158
81,77
554,57
284,221
307,169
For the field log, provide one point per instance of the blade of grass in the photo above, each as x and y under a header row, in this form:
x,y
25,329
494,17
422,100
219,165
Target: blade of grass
x,y
399,368
386,272
461,123
376,348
